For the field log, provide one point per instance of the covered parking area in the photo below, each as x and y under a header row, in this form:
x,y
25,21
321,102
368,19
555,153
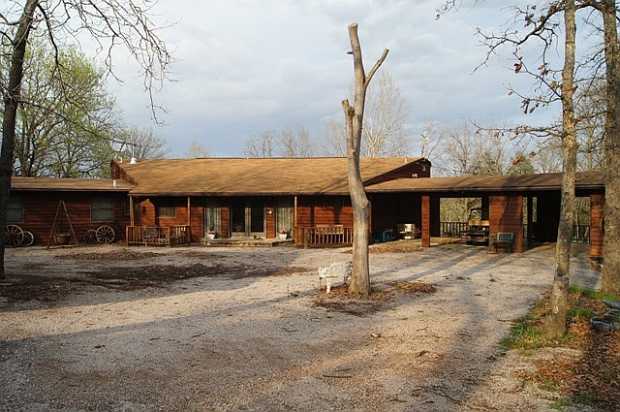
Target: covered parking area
x,y
527,206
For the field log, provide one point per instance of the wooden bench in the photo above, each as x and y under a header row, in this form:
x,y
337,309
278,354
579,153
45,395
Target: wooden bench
x,y
503,240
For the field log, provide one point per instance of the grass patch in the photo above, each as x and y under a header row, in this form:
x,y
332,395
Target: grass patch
x,y
579,398
580,313
593,294
529,333
586,377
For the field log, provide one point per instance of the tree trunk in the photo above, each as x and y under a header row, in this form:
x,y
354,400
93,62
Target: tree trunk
x,y
611,245
354,116
11,102
559,294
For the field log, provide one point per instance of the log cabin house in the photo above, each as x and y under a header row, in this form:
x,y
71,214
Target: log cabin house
x,y
305,199
180,201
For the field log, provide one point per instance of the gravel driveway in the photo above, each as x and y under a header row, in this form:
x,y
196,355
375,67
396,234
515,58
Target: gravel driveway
x,y
250,337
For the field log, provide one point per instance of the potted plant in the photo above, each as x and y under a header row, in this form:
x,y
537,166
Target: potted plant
x,y
211,233
283,234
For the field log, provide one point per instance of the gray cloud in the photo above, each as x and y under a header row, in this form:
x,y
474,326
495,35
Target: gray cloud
x,y
244,66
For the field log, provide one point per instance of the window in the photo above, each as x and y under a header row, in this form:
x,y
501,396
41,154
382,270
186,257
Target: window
x,y
15,210
102,210
167,211
213,219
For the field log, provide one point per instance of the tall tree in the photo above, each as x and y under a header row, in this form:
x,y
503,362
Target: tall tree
x,y
11,105
110,23
354,120
384,132
611,267
295,143
559,293
140,144
261,146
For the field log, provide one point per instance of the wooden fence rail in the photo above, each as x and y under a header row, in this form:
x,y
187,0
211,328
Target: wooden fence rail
x,y
158,236
453,229
326,236
581,233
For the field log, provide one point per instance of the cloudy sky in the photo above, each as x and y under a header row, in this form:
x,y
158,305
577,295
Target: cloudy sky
x,y
245,66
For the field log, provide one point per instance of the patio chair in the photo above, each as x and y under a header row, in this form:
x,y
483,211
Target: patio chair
x,y
503,240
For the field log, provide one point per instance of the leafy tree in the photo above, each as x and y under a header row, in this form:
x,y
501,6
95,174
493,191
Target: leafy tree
x,y
111,23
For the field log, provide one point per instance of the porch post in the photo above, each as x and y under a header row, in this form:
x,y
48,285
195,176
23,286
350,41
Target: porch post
x,y
189,211
530,220
189,219
506,215
295,219
597,204
426,221
131,212
370,221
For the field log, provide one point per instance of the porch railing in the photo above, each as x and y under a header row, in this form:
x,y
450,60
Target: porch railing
x,y
326,236
453,229
158,236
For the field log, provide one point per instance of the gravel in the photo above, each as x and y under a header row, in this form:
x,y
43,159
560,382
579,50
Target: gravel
x,y
258,342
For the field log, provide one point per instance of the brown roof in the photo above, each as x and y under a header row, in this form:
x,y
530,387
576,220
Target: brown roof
x,y
242,176
546,181
68,184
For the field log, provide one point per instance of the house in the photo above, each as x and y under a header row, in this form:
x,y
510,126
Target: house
x,y
260,197
172,201
34,201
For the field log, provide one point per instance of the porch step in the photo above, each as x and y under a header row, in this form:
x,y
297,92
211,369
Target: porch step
x,y
245,242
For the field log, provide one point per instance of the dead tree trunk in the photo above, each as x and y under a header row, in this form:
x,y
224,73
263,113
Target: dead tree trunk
x,y
611,245
11,103
354,116
559,294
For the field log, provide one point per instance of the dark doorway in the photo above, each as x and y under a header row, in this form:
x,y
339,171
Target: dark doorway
x,y
257,218
247,218
237,219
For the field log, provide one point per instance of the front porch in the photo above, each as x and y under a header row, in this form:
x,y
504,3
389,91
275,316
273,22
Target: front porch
x,y
245,242
177,235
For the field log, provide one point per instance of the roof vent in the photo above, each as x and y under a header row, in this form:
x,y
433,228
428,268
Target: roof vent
x,y
133,161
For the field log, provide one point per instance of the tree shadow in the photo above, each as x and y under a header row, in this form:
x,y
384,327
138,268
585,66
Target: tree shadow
x,y
270,354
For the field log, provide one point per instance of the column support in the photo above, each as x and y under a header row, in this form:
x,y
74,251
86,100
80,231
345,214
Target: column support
x,y
426,221
131,212
597,206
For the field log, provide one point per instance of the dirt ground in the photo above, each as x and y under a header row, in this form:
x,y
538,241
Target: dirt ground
x,y
106,328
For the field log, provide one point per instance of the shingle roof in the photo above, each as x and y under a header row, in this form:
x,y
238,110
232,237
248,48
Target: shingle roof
x,y
68,184
245,176
545,181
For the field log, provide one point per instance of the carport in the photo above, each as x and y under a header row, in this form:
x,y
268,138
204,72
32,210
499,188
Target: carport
x,y
527,206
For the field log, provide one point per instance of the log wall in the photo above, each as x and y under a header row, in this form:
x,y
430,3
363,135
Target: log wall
x,y
39,209
597,205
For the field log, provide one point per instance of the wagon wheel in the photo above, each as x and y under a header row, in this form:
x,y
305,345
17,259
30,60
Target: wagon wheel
x,y
14,235
105,234
28,239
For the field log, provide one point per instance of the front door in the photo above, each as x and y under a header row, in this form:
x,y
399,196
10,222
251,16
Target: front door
x,y
237,220
247,219
257,219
